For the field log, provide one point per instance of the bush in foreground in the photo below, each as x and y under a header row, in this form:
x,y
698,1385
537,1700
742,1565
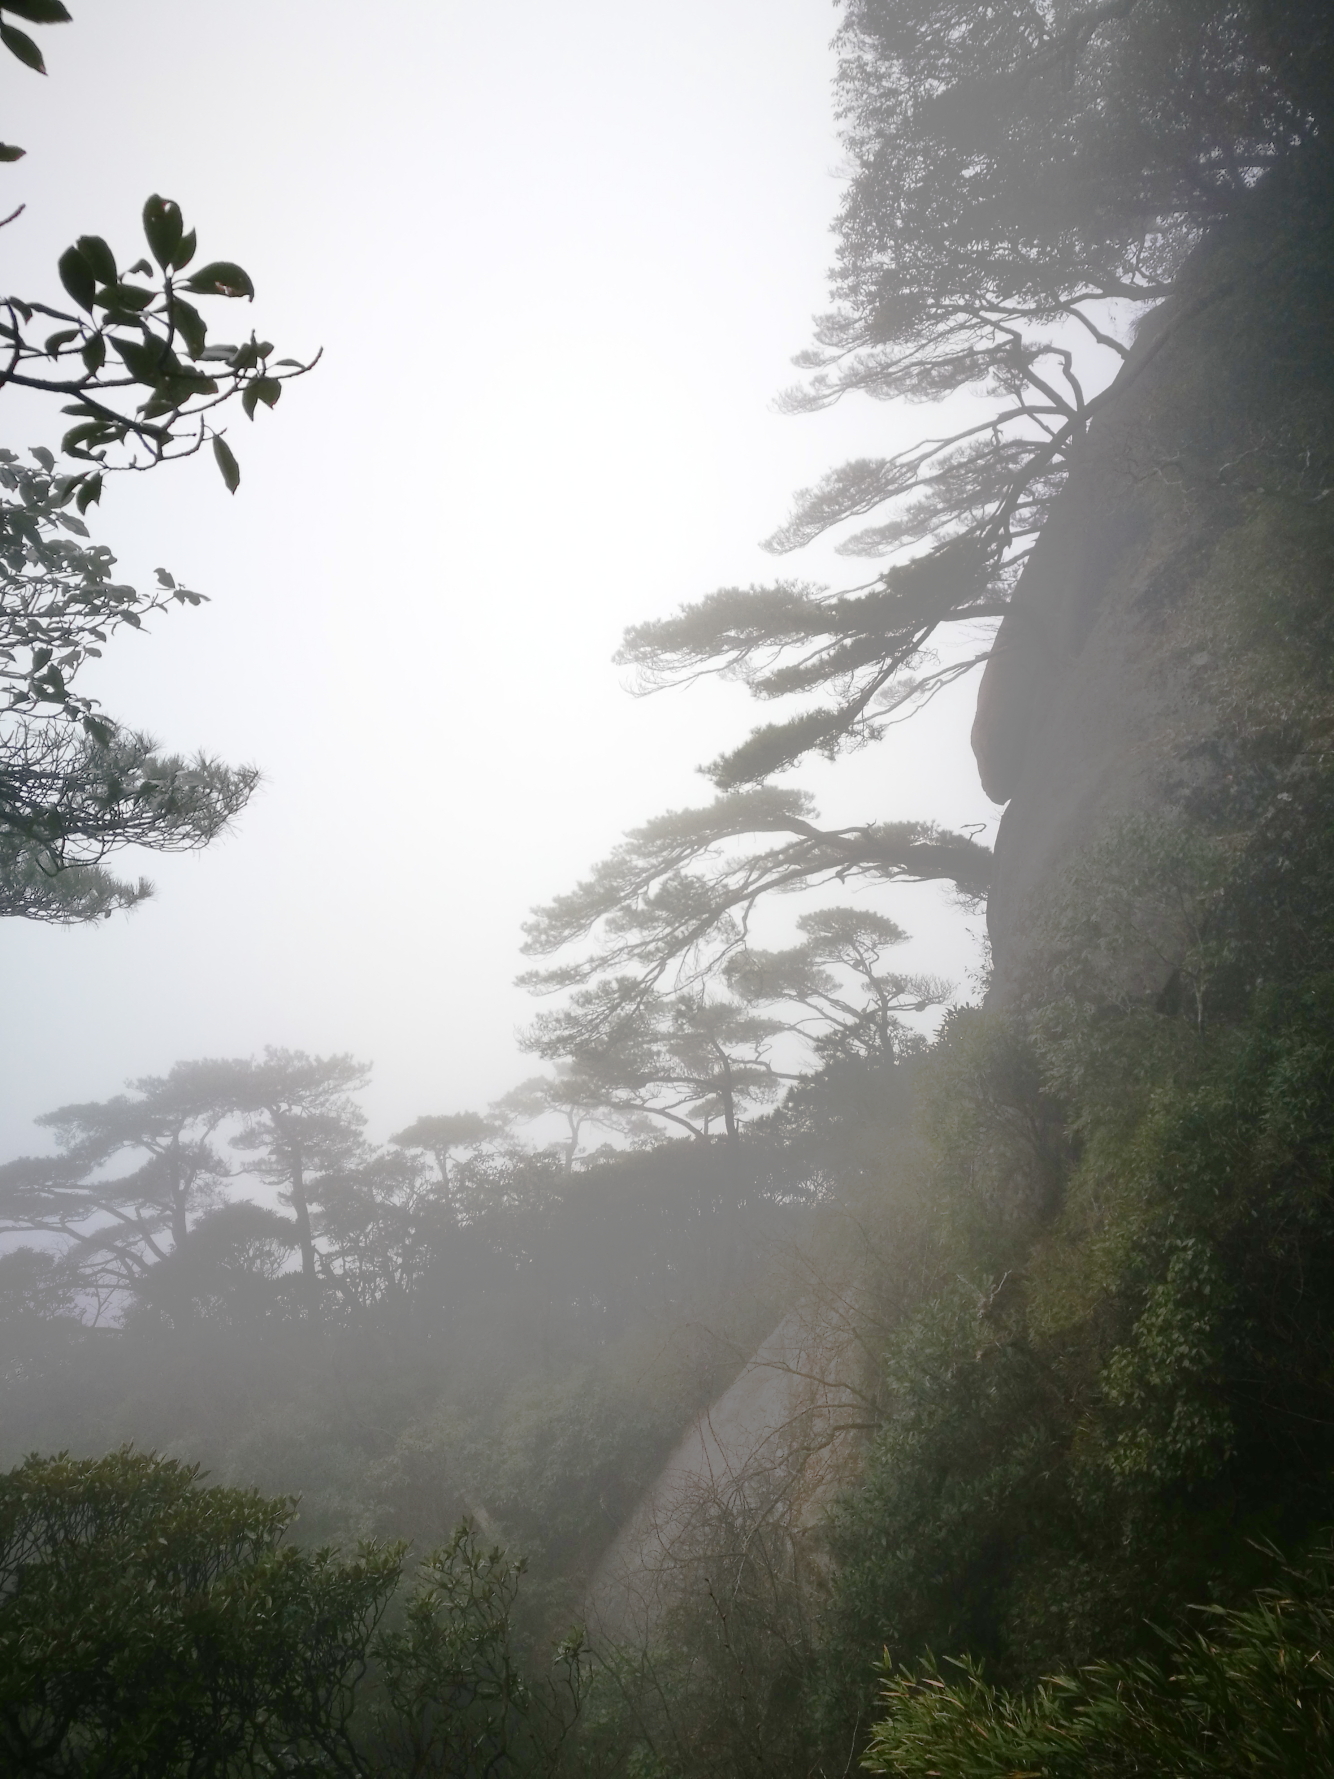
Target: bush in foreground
x,y
152,1626
1250,1693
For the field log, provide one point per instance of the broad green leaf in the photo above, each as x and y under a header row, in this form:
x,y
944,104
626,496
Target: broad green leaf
x,y
8,152
142,358
163,228
189,324
130,298
94,354
221,278
19,44
38,12
44,457
185,252
173,393
77,276
101,260
170,366
78,439
89,494
263,389
226,462
55,341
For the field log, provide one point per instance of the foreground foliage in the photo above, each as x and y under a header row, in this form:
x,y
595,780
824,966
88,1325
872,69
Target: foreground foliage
x,y
1252,1692
149,1625
132,365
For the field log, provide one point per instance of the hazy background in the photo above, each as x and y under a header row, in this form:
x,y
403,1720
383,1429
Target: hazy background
x,y
558,258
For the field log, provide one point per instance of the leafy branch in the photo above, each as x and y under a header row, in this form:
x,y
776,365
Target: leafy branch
x,y
135,333
673,901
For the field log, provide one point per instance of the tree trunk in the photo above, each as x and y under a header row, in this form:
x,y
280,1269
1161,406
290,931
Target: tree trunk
x,y
442,1162
571,1149
303,1230
177,1190
728,1098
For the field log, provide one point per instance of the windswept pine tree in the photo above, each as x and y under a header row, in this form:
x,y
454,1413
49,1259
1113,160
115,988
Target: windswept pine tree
x,y
1024,179
1029,186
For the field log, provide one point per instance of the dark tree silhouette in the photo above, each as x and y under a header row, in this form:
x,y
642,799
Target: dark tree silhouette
x,y
132,365
1023,177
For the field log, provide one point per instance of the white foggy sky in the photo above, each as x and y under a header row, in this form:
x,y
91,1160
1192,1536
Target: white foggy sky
x,y
559,257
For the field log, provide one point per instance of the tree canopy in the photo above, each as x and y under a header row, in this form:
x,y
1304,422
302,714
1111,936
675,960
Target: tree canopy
x,y
440,1133
674,900
1024,180
692,1059
291,1113
149,1624
301,1125
829,987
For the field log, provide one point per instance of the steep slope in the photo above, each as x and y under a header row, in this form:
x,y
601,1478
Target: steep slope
x,y
1110,689
1164,668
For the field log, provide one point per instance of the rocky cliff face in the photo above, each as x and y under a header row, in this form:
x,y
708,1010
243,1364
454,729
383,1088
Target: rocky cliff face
x,y
1108,690
1124,683
767,1457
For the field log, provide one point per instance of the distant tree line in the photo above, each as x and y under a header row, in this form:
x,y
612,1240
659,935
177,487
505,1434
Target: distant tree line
x,y
139,1182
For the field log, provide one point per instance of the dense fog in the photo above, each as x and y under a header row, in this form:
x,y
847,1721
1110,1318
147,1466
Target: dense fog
x,y
584,248
665,691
